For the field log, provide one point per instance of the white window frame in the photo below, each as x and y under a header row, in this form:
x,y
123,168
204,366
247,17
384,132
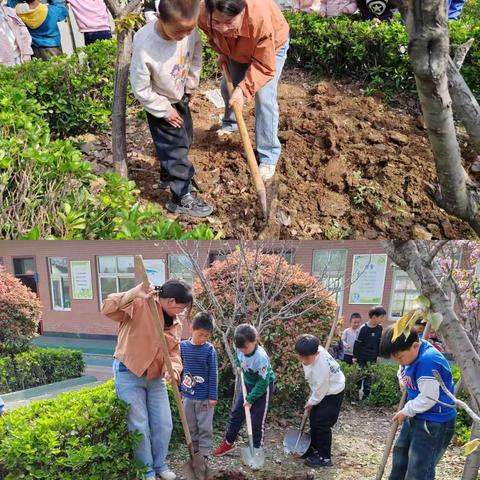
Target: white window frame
x,y
59,276
115,275
337,275
188,276
396,272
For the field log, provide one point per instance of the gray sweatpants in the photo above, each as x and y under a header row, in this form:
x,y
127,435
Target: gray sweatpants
x,y
200,422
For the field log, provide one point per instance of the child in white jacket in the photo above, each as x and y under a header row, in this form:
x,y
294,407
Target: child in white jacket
x,y
327,385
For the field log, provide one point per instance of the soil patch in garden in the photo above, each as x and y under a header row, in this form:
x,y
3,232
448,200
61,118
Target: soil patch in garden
x,y
351,167
358,444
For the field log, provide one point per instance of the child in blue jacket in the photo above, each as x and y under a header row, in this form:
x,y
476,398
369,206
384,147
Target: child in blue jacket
x,y
428,426
42,22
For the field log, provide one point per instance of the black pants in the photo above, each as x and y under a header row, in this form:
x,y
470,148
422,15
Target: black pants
x,y
322,418
258,412
172,146
366,379
348,358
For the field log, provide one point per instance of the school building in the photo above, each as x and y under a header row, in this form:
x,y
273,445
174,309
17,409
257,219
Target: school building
x,y
72,278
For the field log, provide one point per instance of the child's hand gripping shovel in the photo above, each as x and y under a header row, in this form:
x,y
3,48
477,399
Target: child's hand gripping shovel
x,y
247,146
252,457
296,442
196,468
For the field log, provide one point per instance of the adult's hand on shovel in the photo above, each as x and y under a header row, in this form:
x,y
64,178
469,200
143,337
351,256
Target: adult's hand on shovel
x,y
237,97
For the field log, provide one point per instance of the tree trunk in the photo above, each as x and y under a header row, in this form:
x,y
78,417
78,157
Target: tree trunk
x,y
465,104
472,465
427,26
119,110
406,255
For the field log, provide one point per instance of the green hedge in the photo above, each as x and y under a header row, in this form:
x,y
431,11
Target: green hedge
x,y
39,366
65,199
374,54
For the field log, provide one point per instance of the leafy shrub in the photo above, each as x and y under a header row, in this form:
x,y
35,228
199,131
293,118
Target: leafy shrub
x,y
314,314
20,313
65,199
375,55
384,390
81,435
39,366
463,428
75,92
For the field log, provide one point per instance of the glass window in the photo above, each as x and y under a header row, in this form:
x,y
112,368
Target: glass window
x,y
404,294
24,266
116,274
59,286
180,267
329,266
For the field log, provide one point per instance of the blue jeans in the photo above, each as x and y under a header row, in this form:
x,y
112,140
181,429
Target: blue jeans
x,y
419,447
149,414
266,108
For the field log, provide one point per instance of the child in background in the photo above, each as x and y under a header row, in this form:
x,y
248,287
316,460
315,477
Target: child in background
x,y
165,73
349,336
2,407
380,10
200,382
92,19
428,426
42,23
15,41
150,9
327,384
367,344
260,383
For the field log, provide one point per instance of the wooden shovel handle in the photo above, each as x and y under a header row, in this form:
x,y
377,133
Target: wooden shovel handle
x,y
247,146
140,268
248,417
332,330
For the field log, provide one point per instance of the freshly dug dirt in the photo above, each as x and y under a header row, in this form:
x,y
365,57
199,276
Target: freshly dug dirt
x,y
351,167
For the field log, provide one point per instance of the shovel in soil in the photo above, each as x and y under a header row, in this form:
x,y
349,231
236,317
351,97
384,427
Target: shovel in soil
x,y
252,457
247,146
196,468
296,442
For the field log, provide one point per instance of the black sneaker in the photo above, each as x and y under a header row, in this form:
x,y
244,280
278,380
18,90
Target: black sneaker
x,y
309,453
189,205
317,462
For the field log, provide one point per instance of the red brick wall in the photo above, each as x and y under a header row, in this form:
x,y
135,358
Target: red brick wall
x,y
85,317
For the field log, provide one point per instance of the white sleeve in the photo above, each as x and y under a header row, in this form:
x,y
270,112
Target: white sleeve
x,y
193,79
320,383
428,387
344,339
149,16
140,78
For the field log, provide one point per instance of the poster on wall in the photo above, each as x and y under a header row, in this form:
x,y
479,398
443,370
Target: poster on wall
x,y
368,279
81,279
155,271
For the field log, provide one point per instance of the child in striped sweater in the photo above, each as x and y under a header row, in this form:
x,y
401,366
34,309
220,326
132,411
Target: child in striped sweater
x,y
200,382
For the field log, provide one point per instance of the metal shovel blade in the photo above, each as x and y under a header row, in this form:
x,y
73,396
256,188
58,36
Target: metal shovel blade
x,y
255,461
197,469
290,445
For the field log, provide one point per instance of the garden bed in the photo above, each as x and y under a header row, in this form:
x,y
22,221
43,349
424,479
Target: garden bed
x,y
351,167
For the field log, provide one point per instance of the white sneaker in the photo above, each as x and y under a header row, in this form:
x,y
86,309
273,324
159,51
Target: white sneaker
x,y
167,475
267,172
227,130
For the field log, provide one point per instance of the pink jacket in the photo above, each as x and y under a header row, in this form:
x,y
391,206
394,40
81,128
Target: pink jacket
x,y
22,39
328,8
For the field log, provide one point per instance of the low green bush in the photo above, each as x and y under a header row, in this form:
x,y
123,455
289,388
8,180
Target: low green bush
x,y
39,366
81,435
463,427
78,436
47,190
373,54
